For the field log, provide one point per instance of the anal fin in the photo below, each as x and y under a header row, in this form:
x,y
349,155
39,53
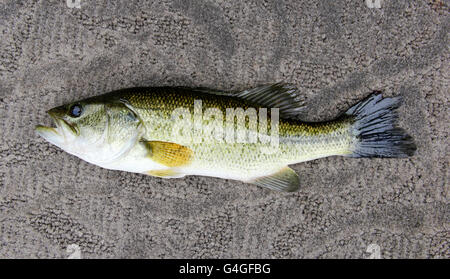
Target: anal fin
x,y
285,180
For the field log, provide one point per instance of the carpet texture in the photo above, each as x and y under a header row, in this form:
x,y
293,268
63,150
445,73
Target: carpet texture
x,y
336,52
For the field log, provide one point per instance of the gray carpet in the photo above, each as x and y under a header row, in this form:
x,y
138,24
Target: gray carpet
x,y
336,52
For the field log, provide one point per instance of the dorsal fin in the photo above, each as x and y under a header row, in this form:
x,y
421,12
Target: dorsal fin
x,y
278,95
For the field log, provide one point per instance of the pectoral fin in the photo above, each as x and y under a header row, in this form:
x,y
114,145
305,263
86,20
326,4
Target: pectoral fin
x,y
285,180
169,154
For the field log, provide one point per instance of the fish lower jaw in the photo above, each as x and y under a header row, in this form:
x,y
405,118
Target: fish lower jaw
x,y
50,134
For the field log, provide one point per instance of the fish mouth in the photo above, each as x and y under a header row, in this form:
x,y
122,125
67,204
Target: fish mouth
x,y
59,134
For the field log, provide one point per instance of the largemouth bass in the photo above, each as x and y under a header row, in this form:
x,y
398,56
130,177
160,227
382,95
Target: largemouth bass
x,y
251,136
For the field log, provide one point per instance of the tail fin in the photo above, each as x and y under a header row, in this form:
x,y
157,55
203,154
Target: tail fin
x,y
375,130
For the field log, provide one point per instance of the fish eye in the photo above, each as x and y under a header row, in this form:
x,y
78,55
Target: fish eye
x,y
75,110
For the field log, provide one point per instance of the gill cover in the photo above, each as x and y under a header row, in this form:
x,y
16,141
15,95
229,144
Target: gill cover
x,y
122,131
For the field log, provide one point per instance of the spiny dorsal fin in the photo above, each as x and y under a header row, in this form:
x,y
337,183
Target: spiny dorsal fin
x,y
285,180
168,153
278,95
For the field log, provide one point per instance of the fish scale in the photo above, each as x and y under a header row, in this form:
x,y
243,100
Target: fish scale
x,y
298,140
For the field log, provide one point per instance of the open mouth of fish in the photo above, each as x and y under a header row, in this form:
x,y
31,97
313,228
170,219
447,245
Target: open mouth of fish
x,y
58,134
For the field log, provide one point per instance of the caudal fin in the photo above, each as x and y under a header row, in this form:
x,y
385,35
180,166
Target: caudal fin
x,y
375,131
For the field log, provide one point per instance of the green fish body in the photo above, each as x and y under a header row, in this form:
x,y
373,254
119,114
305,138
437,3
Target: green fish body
x,y
251,136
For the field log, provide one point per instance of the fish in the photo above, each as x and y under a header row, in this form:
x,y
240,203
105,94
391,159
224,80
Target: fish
x,y
250,136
